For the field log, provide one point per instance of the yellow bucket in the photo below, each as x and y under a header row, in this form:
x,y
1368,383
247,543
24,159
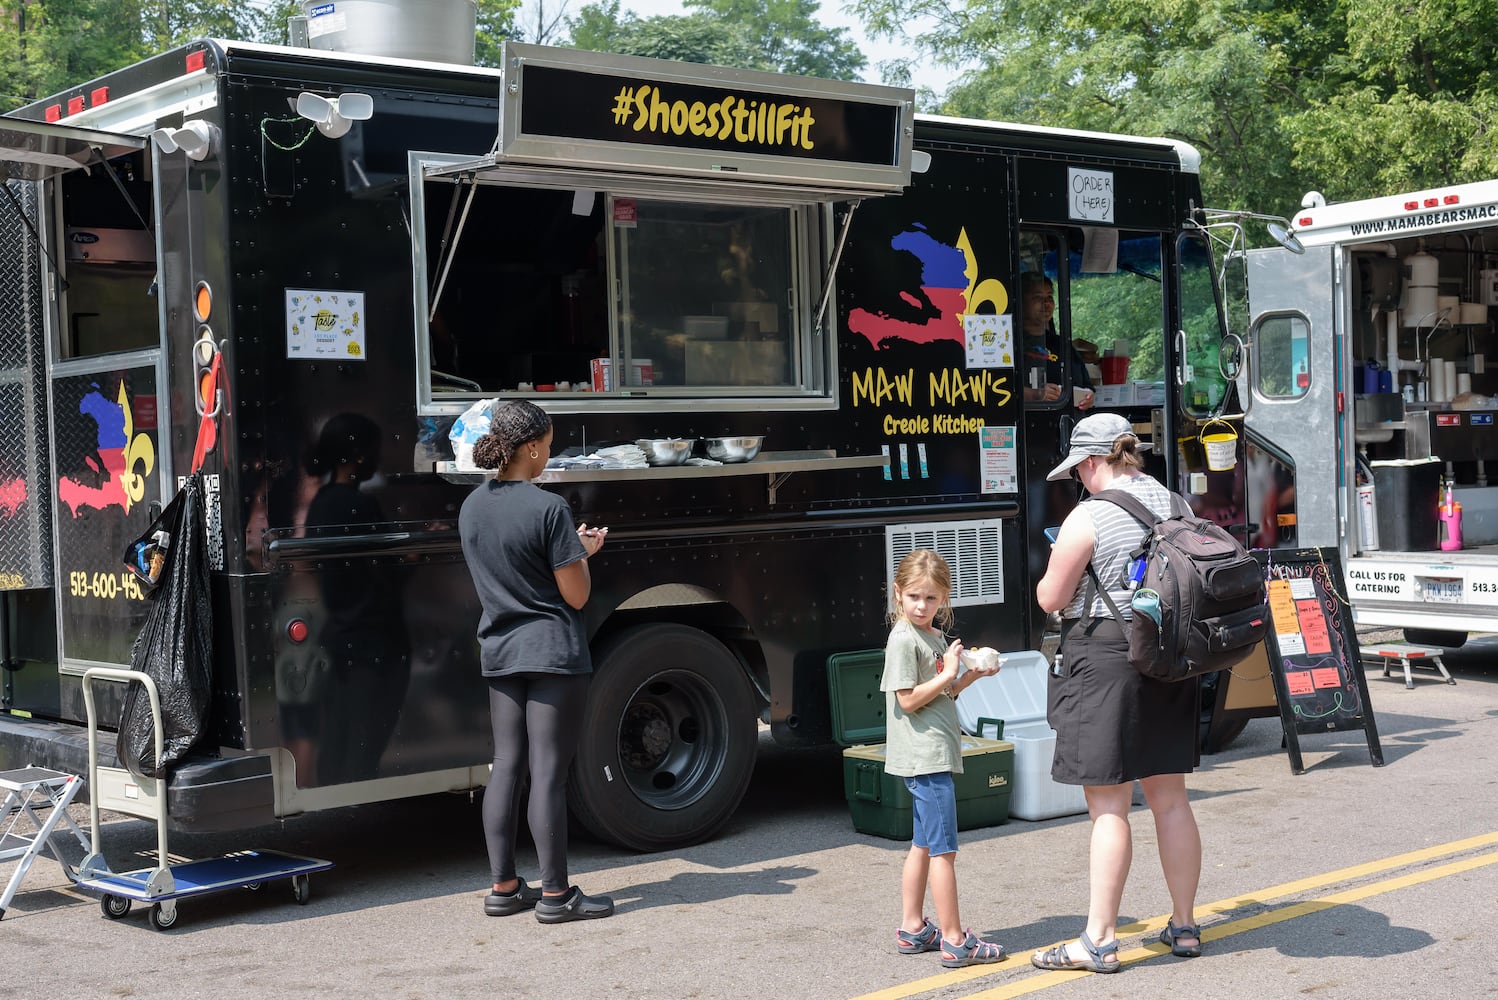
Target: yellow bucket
x,y
1221,446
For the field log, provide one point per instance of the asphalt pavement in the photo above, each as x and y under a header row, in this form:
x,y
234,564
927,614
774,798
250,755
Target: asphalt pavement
x,y
1347,881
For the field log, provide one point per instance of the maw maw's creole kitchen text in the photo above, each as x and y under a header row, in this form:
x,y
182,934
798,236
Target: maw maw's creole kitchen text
x,y
948,387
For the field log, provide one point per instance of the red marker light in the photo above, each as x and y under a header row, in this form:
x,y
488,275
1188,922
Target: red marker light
x,y
1410,206
1452,199
1303,221
296,630
1432,202
98,96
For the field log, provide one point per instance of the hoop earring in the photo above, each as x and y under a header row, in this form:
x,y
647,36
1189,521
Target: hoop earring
x,y
535,453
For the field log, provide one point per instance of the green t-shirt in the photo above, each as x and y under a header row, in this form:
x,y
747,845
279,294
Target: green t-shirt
x,y
928,740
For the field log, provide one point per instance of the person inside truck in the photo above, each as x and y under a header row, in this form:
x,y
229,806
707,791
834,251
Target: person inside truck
x,y
1042,372
1114,725
530,568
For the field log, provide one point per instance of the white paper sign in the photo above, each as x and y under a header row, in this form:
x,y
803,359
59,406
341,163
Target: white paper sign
x,y
990,340
999,460
1291,643
1090,194
1099,250
324,324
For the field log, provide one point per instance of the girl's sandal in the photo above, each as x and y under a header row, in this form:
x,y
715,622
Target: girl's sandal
x,y
1058,959
1173,934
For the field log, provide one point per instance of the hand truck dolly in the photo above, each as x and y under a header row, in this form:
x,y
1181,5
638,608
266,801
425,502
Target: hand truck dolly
x,y
164,884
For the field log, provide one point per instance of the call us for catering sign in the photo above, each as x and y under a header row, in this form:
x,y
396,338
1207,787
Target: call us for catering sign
x,y
685,117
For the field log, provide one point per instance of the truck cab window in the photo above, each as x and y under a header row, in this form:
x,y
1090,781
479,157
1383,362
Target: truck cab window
x,y
1047,364
1284,368
1204,384
1104,333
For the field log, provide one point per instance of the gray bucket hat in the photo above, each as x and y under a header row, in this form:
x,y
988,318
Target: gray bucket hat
x,y
1093,435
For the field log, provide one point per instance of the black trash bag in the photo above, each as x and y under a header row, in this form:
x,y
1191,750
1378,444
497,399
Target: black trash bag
x,y
174,646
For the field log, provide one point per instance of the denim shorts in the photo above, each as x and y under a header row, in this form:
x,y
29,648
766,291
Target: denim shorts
x,y
934,813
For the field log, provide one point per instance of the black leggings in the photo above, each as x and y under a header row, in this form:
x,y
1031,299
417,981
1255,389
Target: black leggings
x,y
536,719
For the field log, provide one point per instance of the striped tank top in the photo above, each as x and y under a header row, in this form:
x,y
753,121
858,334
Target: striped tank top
x,y
1116,534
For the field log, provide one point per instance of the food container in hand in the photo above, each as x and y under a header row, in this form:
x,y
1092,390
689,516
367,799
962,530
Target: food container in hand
x,y
665,451
984,659
734,449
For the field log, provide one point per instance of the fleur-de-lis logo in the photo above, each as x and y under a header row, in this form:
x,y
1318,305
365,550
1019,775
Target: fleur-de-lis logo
x,y
138,451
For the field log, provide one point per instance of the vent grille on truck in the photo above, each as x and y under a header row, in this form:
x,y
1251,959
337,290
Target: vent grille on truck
x,y
971,548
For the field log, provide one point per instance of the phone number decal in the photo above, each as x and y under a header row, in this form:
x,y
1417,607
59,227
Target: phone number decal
x,y
106,586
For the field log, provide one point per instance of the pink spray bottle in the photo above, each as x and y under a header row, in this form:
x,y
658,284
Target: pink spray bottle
x,y
1451,522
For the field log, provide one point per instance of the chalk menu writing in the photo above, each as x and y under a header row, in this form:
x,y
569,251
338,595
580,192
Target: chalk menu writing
x,y
1313,649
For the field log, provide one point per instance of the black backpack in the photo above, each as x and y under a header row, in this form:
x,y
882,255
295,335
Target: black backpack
x,y
1213,608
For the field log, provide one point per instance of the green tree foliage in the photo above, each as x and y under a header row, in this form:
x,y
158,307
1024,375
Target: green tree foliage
x,y
1352,97
782,36
698,38
49,45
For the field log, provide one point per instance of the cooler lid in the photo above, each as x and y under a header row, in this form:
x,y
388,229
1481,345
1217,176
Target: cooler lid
x,y
853,692
1015,695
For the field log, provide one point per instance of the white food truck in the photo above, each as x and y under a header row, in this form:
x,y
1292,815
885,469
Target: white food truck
x,y
1371,400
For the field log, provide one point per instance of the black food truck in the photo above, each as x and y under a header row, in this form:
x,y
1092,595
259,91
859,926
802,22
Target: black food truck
x,y
804,275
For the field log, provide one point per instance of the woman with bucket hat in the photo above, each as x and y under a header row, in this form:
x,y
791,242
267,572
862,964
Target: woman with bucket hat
x,y
1114,725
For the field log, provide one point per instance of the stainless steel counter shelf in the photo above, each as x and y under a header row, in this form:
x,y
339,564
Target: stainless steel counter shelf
x,y
776,465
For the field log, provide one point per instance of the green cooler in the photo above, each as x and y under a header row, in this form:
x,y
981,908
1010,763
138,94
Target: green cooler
x,y
879,803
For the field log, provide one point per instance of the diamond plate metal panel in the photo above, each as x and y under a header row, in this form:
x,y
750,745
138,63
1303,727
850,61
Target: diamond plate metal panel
x,y
107,446
25,478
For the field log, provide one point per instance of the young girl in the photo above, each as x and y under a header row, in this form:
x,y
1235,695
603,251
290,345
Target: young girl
x,y
530,568
925,747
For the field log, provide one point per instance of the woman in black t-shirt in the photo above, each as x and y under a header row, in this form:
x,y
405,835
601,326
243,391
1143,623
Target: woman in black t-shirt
x,y
530,568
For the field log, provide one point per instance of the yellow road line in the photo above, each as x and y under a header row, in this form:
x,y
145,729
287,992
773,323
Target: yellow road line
x,y
1280,891
1034,984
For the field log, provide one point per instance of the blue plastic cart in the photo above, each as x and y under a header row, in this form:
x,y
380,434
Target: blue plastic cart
x,y
163,885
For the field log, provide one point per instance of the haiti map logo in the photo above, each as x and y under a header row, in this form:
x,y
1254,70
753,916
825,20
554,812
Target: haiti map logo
x,y
120,462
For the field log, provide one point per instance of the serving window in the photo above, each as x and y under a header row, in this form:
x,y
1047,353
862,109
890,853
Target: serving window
x,y
616,294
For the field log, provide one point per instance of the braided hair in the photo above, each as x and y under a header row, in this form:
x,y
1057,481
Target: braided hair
x,y
511,424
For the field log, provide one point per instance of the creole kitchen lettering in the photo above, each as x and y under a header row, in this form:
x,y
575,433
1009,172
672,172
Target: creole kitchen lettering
x,y
734,118
949,387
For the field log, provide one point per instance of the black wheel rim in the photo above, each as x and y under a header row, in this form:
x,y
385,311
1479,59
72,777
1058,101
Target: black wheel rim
x,y
673,736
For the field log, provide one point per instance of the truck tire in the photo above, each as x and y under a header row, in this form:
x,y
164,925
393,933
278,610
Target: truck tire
x,y
1435,637
668,739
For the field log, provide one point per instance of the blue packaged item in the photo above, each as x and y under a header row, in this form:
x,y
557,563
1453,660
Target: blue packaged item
x,y
1385,381
1370,378
1136,572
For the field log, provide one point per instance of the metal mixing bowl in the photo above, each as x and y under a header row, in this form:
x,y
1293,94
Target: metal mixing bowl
x,y
665,451
742,448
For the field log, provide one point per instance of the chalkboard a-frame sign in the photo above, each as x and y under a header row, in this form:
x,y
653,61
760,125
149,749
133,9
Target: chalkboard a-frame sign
x,y
1313,649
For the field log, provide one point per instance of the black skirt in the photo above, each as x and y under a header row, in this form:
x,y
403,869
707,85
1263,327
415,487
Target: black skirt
x,y
1112,723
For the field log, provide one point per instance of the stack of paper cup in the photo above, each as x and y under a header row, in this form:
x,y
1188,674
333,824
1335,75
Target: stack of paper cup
x,y
1463,383
1436,372
1448,379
